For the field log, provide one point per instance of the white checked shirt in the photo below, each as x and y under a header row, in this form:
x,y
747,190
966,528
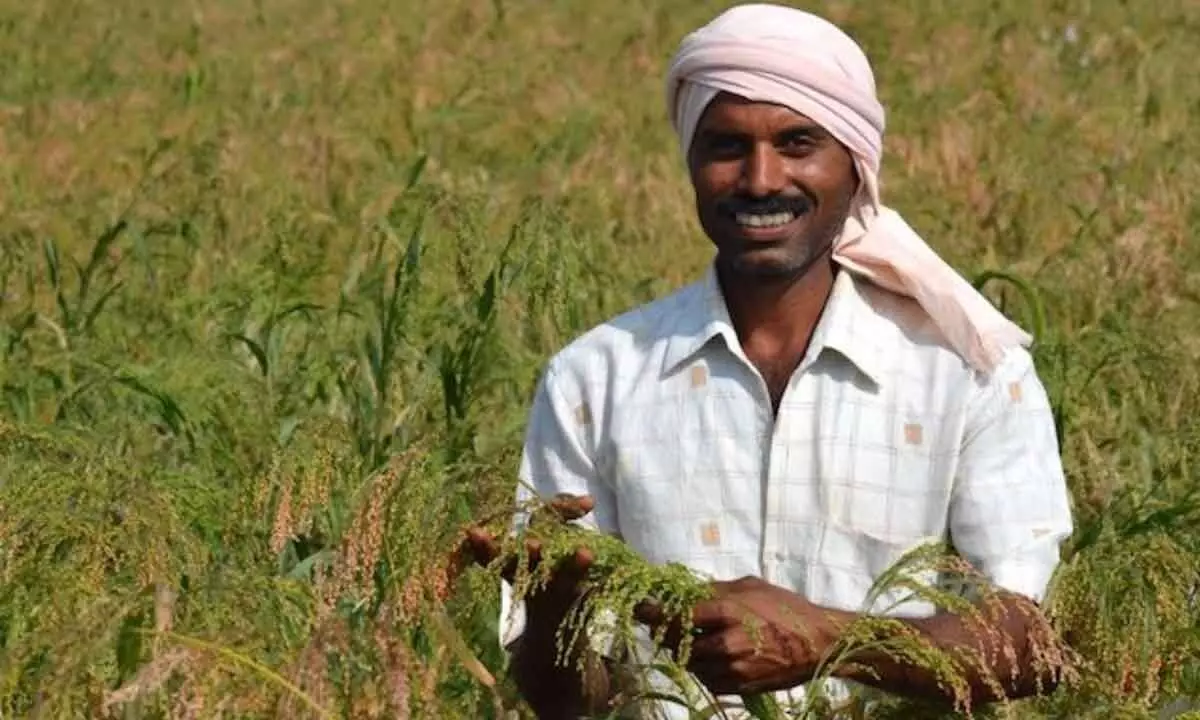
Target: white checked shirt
x,y
884,439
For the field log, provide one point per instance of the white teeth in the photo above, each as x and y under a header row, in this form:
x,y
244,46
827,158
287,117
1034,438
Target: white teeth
x,y
758,221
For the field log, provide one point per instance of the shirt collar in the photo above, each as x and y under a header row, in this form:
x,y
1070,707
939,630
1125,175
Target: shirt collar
x,y
850,325
702,317
854,328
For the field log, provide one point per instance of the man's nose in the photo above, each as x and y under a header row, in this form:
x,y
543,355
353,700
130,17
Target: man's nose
x,y
763,173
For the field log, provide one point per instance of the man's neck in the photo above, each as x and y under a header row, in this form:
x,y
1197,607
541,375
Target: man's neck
x,y
775,318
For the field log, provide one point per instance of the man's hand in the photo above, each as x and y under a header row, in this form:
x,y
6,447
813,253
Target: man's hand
x,y
554,601
752,637
552,690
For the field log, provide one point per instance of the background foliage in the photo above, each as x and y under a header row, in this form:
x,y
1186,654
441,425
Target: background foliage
x,y
277,278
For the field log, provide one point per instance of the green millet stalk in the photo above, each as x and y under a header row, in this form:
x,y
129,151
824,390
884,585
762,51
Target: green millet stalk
x,y
618,580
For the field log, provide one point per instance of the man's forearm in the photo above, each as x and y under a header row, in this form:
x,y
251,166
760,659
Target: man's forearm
x,y
556,690
996,656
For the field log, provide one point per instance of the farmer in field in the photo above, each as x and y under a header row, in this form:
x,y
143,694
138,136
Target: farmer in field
x,y
828,396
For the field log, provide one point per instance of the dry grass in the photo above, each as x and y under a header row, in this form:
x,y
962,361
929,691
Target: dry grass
x,y
276,279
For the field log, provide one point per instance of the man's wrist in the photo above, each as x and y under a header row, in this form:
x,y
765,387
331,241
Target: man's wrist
x,y
987,674
875,666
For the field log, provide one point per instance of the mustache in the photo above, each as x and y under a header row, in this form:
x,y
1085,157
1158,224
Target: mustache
x,y
795,204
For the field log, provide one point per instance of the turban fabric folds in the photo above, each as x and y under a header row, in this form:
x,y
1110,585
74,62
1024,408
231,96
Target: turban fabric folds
x,y
780,55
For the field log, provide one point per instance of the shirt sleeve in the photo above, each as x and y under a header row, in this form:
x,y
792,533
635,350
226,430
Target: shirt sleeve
x,y
1010,508
558,457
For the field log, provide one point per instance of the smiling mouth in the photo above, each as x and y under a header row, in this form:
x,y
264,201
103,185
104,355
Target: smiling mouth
x,y
763,221
768,228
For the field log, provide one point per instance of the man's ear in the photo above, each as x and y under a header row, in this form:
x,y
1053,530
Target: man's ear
x,y
860,185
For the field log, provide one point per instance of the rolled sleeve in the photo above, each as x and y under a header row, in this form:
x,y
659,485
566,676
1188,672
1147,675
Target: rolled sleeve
x,y
558,457
1010,508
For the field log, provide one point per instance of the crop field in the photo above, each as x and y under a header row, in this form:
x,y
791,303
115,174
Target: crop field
x,y
277,279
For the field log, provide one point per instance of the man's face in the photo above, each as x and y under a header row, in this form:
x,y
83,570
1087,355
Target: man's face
x,y
773,188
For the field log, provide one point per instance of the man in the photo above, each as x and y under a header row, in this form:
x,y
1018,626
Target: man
x,y
830,395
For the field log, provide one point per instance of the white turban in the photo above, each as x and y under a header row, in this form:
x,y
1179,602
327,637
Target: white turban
x,y
780,55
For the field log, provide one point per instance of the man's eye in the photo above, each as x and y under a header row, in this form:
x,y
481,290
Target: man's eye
x,y
723,145
798,144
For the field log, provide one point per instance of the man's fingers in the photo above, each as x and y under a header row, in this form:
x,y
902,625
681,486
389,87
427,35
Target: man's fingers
x,y
572,507
720,647
648,613
716,614
577,565
718,678
709,619
719,660
571,570
652,615
564,508
533,551
484,547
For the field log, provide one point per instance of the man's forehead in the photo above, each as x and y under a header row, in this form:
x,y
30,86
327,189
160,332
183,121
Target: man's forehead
x,y
731,109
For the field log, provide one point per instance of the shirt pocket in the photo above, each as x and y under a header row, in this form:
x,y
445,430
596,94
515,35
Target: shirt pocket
x,y
886,493
863,572
890,478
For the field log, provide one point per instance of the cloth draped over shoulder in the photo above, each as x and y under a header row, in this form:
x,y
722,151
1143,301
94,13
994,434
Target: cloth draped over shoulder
x,y
769,53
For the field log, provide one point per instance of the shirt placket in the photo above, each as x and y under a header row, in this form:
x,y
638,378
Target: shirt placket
x,y
773,461
773,474
776,470
770,549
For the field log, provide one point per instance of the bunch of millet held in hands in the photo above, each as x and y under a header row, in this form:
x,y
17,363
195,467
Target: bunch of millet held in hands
x,y
619,580
615,584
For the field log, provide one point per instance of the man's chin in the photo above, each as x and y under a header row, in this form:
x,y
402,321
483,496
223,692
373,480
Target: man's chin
x,y
764,265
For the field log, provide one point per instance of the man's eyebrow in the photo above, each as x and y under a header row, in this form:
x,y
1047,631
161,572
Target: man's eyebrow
x,y
718,130
800,128
803,129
